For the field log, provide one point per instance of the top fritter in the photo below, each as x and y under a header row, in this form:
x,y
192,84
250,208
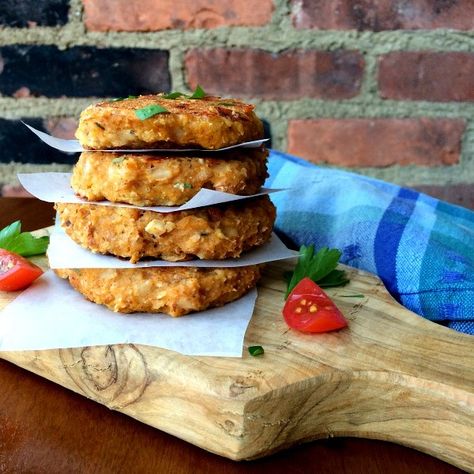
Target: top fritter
x,y
153,121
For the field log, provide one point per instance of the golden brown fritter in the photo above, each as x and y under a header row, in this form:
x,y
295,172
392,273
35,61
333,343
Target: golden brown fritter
x,y
174,291
209,123
211,233
171,180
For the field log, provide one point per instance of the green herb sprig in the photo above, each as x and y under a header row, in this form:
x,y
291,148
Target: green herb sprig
x,y
154,109
119,99
150,111
174,95
319,266
255,351
22,243
198,93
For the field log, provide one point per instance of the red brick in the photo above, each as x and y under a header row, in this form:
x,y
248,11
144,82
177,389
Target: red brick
x,y
440,77
383,14
22,93
289,75
152,15
378,142
9,190
431,76
61,127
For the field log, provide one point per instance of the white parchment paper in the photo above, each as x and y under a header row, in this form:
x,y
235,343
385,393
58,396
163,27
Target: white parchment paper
x,y
63,252
56,187
51,315
73,146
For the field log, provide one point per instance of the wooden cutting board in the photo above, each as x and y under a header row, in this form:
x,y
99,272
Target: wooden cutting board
x,y
391,375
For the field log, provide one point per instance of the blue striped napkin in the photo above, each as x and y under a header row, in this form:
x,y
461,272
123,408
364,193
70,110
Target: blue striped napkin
x,y
422,248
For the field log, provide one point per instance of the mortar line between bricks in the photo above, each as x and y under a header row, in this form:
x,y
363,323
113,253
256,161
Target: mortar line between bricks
x,y
369,85
176,69
279,130
367,107
76,13
359,107
416,175
267,37
8,171
467,145
281,14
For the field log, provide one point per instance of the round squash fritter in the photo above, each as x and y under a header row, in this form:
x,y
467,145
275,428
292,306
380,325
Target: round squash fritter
x,y
209,123
211,233
174,291
171,180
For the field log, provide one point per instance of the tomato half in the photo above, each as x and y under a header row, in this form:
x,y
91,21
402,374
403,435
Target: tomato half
x,y
16,272
309,309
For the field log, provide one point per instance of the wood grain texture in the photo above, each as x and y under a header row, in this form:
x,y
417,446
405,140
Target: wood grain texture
x,y
391,376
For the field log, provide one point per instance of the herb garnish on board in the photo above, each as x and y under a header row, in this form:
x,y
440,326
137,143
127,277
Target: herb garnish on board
x,y
22,243
255,351
319,267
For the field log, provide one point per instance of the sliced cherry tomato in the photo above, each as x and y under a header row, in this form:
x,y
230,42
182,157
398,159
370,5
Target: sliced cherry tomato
x,y
16,272
309,309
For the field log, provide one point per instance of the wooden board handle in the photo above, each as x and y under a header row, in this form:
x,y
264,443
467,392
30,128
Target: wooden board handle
x,y
392,376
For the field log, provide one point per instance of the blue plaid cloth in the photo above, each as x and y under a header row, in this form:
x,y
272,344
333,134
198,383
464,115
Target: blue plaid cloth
x,y
422,248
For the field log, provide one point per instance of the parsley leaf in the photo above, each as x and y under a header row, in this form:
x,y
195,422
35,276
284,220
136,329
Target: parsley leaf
x,y
256,351
333,279
154,109
320,267
119,99
198,93
150,111
174,95
22,243
9,233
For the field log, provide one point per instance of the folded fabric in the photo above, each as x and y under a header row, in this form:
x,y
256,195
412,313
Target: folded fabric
x,y
422,248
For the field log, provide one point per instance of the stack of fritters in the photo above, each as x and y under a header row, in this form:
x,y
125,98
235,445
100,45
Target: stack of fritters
x,y
167,179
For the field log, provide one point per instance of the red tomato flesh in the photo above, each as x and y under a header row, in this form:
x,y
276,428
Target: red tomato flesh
x,y
309,309
16,273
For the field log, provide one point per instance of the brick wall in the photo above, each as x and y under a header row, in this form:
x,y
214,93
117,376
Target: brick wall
x,y
385,88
